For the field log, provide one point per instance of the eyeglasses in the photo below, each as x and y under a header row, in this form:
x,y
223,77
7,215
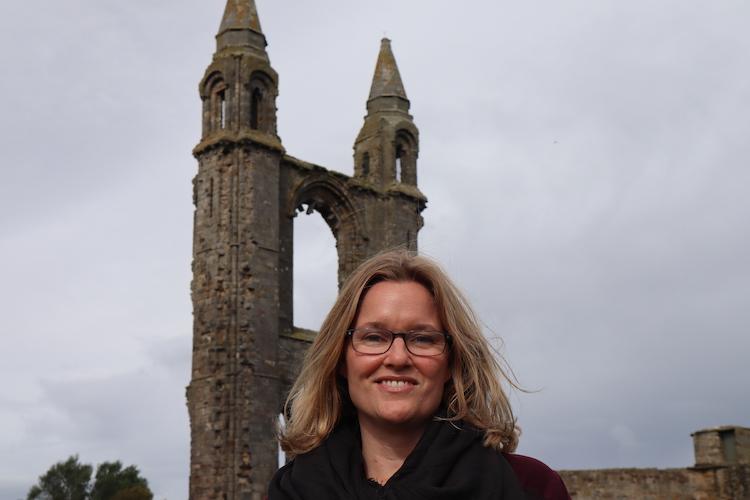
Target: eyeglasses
x,y
371,340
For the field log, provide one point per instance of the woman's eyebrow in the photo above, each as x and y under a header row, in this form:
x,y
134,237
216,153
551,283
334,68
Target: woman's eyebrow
x,y
414,327
424,326
373,324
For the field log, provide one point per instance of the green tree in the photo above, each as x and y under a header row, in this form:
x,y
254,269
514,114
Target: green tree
x,y
71,480
112,481
138,492
68,480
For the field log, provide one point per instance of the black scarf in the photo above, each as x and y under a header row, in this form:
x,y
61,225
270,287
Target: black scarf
x,y
448,463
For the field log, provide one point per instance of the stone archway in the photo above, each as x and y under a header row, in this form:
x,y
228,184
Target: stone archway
x,y
324,194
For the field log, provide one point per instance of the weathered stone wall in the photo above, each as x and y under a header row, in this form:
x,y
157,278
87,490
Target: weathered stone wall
x,y
291,353
737,481
722,472
715,483
640,484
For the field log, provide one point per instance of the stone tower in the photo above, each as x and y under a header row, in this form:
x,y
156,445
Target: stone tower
x,y
247,192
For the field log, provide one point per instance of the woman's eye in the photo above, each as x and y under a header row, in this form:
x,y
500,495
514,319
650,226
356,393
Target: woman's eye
x,y
374,337
423,339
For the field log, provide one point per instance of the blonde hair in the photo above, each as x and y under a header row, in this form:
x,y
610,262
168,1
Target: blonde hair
x,y
474,394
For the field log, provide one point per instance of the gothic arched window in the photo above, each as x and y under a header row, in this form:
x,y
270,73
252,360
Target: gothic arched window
x,y
406,158
218,107
259,109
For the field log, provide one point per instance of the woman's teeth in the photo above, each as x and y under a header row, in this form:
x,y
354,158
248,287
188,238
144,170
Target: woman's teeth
x,y
395,383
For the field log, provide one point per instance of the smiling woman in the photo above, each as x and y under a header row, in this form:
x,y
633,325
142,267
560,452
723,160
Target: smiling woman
x,y
394,391
400,397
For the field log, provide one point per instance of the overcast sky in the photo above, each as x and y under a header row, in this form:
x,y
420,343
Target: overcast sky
x,y
586,164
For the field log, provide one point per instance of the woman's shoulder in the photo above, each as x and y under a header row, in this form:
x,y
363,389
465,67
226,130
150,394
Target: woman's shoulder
x,y
536,478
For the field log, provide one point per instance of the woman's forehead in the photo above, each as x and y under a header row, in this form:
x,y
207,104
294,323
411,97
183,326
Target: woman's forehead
x,y
398,304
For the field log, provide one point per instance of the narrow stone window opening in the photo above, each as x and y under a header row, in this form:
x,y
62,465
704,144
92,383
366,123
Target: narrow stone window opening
x,y
366,165
222,109
256,99
399,156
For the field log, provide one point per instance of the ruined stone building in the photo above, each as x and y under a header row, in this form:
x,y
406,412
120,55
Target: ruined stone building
x,y
246,193
721,472
246,348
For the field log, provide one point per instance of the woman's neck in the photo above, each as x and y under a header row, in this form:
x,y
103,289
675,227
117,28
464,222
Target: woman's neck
x,y
384,450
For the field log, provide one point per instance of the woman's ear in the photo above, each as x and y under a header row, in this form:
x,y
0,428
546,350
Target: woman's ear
x,y
341,369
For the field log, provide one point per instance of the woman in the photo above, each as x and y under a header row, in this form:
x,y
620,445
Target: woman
x,y
400,397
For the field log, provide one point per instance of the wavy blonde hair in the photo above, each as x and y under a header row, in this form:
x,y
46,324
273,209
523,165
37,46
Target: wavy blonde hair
x,y
474,394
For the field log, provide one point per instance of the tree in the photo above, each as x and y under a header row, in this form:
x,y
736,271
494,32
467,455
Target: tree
x,y
112,481
68,480
71,480
138,492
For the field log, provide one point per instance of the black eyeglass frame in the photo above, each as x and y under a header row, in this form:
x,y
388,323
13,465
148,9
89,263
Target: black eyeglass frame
x,y
447,336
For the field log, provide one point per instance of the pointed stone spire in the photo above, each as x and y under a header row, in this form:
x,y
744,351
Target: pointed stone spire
x,y
387,80
240,27
240,15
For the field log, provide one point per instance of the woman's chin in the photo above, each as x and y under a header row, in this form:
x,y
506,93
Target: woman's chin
x,y
399,418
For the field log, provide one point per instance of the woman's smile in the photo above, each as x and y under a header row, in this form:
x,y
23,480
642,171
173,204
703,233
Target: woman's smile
x,y
396,385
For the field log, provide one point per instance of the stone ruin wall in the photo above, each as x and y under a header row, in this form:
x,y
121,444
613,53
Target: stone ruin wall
x,y
721,472
659,484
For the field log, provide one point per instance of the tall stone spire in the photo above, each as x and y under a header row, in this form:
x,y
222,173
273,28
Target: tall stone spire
x,y
387,91
240,14
240,26
387,80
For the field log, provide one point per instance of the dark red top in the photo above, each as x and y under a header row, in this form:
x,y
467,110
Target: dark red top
x,y
537,480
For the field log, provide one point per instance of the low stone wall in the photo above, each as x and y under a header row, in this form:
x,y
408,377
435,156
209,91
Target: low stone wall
x,y
718,483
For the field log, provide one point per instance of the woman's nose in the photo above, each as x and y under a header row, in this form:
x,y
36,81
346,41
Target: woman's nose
x,y
398,353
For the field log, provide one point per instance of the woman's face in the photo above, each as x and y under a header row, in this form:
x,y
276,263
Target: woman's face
x,y
397,387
